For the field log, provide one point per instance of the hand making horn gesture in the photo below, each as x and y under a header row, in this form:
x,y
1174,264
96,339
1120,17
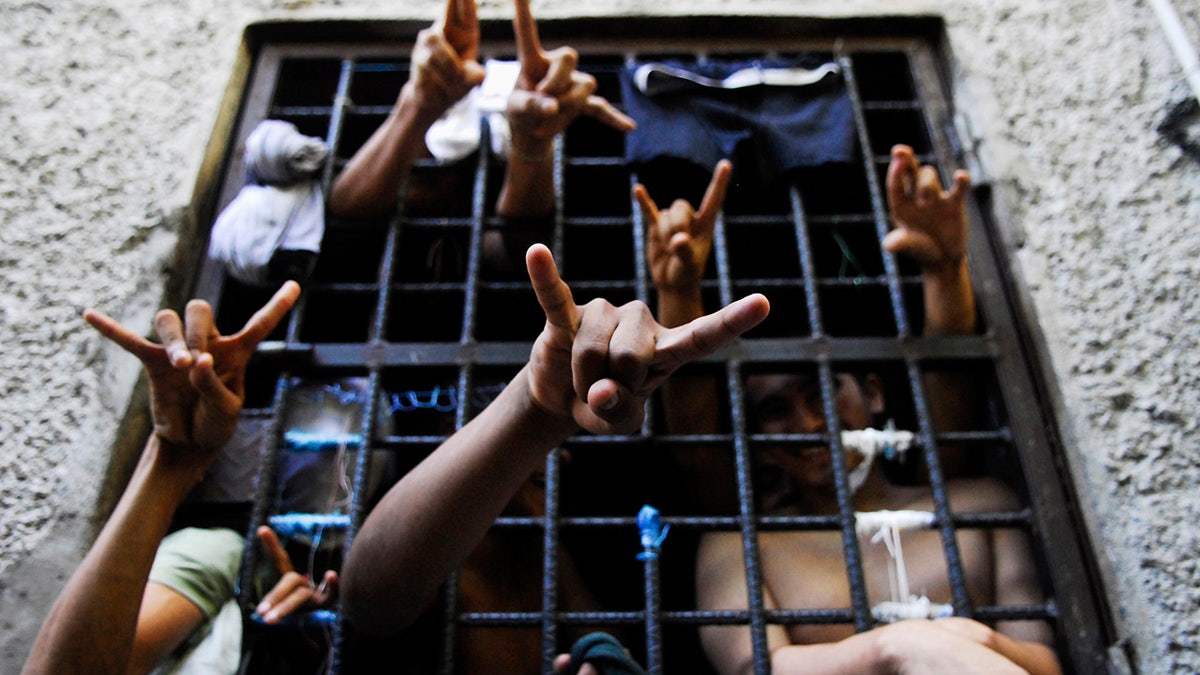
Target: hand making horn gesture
x,y
597,363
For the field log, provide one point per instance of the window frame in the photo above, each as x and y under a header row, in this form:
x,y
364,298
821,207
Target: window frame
x,y
1026,396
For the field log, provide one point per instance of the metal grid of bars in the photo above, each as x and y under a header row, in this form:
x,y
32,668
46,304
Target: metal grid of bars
x,y
408,304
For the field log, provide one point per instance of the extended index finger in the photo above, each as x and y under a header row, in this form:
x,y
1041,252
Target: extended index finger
x,y
460,14
460,27
529,48
553,294
274,550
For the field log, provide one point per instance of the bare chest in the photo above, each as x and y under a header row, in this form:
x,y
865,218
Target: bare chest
x,y
808,570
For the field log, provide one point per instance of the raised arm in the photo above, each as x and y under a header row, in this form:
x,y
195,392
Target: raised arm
x,y
931,228
678,243
445,67
549,95
197,385
592,367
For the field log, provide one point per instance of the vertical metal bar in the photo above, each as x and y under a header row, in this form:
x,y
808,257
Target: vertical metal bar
x,y
556,242
358,502
878,210
845,499
641,273
748,528
268,470
475,246
743,471
467,370
640,284
362,468
941,504
807,266
550,564
450,623
938,121
375,336
654,660
333,137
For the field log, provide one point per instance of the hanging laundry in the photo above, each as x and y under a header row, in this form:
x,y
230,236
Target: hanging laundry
x,y
272,229
456,134
793,115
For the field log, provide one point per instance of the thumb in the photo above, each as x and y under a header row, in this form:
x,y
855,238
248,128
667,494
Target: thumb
x,y
473,73
916,245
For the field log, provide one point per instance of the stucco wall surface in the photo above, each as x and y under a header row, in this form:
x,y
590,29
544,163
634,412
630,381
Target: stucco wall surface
x,y
107,108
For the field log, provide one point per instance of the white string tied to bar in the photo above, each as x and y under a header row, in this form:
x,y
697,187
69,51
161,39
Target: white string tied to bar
x,y
889,441
885,526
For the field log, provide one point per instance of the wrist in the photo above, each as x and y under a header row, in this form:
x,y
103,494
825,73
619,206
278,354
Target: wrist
x,y
886,649
416,110
535,413
530,150
679,305
179,464
946,271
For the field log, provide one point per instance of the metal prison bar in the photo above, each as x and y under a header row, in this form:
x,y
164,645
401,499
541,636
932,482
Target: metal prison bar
x,y
367,312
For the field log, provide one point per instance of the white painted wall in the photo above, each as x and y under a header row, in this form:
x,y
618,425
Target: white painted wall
x,y
106,109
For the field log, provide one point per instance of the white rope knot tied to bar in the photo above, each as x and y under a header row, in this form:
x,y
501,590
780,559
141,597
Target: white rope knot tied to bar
x,y
885,526
889,441
916,608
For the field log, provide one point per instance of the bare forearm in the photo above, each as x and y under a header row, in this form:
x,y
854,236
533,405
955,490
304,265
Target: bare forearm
x,y
429,521
370,184
528,189
949,301
690,406
1034,657
91,627
950,310
857,654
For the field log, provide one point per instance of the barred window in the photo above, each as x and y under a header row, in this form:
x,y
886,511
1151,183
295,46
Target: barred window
x,y
404,319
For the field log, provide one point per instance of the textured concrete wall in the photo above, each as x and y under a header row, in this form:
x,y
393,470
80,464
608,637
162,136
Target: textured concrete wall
x,y
107,108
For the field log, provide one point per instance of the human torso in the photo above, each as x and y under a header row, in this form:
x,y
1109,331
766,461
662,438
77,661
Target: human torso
x,y
807,569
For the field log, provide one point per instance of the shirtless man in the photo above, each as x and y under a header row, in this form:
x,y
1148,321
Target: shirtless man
x,y
806,569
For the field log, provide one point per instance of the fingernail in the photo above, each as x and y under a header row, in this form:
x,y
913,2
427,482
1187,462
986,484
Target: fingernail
x,y
610,403
263,608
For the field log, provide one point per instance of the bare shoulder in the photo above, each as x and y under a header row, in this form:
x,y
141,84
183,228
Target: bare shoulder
x,y
980,494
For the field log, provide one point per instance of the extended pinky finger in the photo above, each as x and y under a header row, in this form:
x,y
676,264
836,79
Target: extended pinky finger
x,y
711,332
